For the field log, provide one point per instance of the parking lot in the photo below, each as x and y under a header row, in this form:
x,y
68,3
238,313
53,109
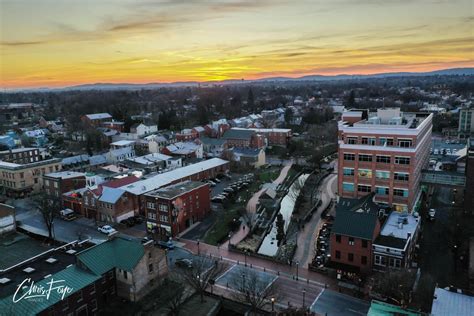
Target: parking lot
x,y
228,188
235,276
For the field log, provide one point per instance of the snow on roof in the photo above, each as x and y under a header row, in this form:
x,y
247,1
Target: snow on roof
x,y
120,151
150,158
183,148
392,227
98,116
166,178
266,130
97,160
451,303
123,143
111,195
8,164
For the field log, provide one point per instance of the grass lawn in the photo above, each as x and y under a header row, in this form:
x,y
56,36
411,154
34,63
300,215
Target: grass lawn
x,y
269,175
220,229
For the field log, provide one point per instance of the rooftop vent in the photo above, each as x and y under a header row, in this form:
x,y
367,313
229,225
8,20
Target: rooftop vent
x,y
29,270
51,260
71,251
4,281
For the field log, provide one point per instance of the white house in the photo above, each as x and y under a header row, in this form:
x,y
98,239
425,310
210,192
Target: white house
x,y
143,129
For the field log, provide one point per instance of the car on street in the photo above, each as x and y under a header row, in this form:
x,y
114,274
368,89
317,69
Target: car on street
x,y
67,214
184,263
431,214
129,222
106,229
165,244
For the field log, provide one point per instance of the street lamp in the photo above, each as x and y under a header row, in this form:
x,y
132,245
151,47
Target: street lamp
x,y
297,264
245,257
304,293
199,252
243,282
273,303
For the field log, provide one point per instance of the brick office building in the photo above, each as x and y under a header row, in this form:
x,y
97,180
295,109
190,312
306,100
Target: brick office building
x,y
384,154
21,155
172,209
57,183
352,235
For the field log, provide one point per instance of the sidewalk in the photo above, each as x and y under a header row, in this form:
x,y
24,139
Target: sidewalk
x,y
307,236
258,263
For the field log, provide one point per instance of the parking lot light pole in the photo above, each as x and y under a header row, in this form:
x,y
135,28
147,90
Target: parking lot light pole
x,y
304,293
245,257
273,304
199,252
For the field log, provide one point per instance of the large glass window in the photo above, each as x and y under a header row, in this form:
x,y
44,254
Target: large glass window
x,y
364,188
400,192
352,140
348,187
365,173
404,143
381,190
363,157
349,156
402,160
401,176
348,171
383,159
383,175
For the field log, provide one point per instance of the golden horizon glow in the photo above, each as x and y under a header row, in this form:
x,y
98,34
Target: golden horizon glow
x,y
57,43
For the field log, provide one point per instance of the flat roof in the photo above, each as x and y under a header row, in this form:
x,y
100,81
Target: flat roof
x,y
449,303
18,150
65,174
15,166
123,142
393,228
166,178
176,190
265,130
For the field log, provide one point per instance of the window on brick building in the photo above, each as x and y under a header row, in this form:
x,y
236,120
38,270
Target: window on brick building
x,y
363,157
349,157
351,241
350,257
383,159
364,243
338,254
363,260
338,238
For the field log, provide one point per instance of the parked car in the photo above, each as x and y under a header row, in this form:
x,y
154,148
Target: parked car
x,y
184,263
129,222
216,180
106,229
137,219
165,244
67,214
431,214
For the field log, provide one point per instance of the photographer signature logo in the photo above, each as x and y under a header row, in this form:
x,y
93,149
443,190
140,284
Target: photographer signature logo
x,y
35,292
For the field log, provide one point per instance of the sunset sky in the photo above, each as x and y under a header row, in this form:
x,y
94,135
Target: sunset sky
x,y
55,43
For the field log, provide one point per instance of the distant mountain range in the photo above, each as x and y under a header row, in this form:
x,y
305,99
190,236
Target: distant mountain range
x,y
134,86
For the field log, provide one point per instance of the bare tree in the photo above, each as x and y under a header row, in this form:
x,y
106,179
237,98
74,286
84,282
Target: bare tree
x,y
254,290
395,285
203,272
177,296
48,206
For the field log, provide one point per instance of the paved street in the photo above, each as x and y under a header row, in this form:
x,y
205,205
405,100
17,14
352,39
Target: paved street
x,y
331,303
306,238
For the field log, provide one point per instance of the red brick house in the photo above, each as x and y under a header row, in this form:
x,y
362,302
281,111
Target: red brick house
x,y
187,135
170,210
96,119
57,183
355,229
237,137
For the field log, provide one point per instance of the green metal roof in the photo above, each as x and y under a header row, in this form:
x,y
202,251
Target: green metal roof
x,y
356,218
116,253
74,277
382,309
